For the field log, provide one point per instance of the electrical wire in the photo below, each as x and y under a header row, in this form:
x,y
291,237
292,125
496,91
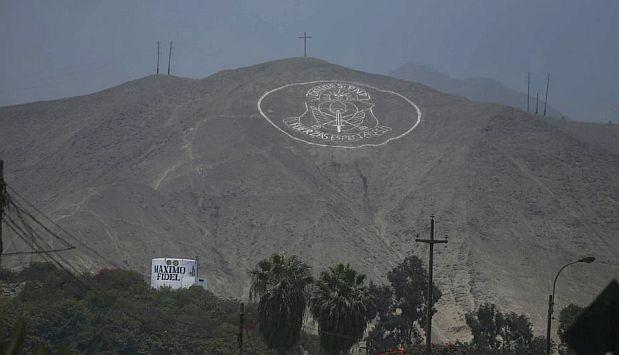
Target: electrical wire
x,y
48,255
76,239
23,235
37,251
63,265
20,210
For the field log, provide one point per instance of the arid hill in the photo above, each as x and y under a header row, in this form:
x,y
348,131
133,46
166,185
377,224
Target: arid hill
x,y
601,135
166,166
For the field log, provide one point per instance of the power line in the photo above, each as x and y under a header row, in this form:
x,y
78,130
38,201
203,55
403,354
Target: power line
x,y
51,255
23,235
21,210
36,241
78,240
37,251
35,236
31,244
64,266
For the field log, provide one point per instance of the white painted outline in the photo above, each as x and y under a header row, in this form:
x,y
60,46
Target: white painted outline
x,y
339,81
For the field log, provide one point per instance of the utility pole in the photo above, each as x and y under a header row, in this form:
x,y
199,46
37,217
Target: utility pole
x,y
197,266
157,57
3,202
430,241
241,322
549,323
546,99
528,89
305,37
170,58
536,102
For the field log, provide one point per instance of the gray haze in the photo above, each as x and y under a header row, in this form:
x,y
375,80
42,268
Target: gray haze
x,y
66,48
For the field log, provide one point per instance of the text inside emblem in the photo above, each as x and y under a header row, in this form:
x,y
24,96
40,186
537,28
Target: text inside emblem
x,y
339,114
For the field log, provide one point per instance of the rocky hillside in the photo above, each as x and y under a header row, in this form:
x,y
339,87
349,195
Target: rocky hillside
x,y
601,135
335,165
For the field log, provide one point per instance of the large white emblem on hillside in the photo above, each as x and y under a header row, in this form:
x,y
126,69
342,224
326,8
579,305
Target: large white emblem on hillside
x,y
339,114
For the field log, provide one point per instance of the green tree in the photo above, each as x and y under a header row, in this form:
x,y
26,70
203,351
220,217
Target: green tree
x,y
485,325
403,309
383,336
341,305
500,333
517,333
409,281
281,283
567,316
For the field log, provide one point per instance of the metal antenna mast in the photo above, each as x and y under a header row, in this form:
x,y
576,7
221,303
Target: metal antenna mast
x,y
528,90
169,57
157,57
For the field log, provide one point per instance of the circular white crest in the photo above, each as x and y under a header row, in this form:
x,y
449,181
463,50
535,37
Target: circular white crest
x,y
339,114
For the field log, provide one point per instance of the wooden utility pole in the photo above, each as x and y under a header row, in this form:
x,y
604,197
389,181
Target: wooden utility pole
x,y
241,322
170,58
546,99
430,300
528,89
305,38
3,202
157,57
536,102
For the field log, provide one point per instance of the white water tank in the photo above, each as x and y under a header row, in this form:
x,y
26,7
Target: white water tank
x,y
175,273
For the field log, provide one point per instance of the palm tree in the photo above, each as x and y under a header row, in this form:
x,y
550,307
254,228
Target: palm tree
x,y
281,282
341,305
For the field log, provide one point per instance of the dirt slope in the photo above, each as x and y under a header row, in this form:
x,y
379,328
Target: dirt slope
x,y
165,166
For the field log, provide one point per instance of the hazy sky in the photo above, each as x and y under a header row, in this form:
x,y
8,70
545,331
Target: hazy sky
x,y
53,49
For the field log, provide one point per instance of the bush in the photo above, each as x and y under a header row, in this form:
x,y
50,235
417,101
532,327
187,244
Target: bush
x,y
7,275
116,311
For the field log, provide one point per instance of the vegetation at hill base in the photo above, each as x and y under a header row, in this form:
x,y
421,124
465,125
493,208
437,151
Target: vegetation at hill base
x,y
116,311
401,306
500,333
45,309
392,317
